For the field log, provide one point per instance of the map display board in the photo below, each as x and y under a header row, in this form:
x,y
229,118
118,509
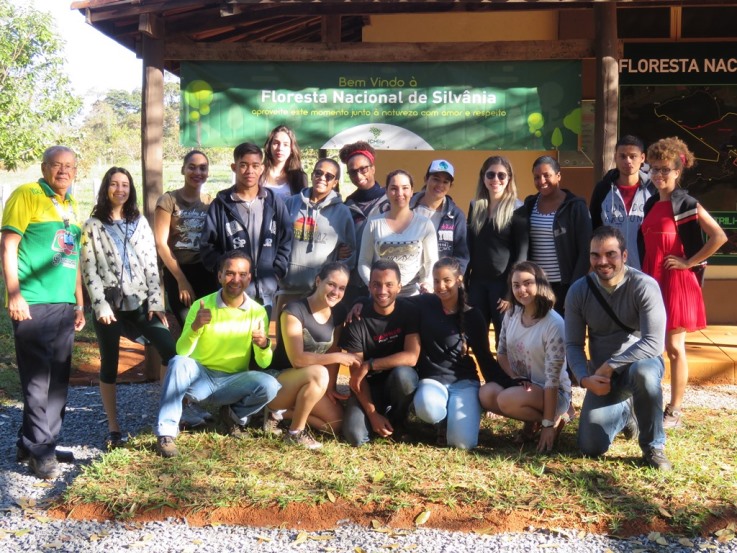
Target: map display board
x,y
689,91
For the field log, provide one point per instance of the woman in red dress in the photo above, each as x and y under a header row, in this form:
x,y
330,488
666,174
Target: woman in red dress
x,y
675,254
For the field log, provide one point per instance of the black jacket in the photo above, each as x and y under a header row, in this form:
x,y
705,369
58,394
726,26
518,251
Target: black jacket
x,y
572,230
225,230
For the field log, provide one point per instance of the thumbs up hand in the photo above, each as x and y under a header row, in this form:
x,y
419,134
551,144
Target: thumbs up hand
x,y
258,335
203,317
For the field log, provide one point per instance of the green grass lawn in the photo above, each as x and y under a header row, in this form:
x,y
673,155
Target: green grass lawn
x,y
215,470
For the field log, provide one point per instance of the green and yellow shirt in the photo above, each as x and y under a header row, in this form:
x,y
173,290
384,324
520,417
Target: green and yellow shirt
x,y
48,253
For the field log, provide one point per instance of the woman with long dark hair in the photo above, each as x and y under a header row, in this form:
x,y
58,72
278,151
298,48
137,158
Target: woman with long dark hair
x,y
497,239
283,163
119,269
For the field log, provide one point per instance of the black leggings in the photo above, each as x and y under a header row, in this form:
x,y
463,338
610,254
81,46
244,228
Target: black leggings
x,y
108,338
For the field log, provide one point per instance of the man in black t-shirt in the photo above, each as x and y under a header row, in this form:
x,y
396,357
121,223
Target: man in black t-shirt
x,y
387,341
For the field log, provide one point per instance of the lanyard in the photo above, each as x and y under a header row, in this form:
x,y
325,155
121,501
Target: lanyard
x,y
66,216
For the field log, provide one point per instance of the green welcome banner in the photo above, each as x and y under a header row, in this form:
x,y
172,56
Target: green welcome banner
x,y
532,105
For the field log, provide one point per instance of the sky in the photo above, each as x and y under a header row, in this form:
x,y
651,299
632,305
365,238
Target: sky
x,y
94,62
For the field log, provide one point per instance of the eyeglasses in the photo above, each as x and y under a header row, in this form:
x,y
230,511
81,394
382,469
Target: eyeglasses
x,y
57,166
363,170
665,171
328,176
500,175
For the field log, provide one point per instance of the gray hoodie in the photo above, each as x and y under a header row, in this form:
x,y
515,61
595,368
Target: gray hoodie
x,y
318,232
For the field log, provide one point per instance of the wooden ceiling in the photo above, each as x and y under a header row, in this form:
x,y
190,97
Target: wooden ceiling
x,y
186,23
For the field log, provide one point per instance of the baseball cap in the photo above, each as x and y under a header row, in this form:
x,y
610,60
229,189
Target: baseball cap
x,y
441,166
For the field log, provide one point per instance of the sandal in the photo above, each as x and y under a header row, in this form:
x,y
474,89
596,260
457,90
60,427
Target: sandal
x,y
559,427
527,434
114,440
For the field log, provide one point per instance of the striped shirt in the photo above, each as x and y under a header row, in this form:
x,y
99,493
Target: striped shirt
x,y
542,243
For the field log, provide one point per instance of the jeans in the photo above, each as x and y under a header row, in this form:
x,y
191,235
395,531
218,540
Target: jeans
x,y
458,402
603,417
246,392
392,395
43,349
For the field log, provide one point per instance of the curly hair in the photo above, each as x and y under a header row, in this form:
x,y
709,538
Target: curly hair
x,y
357,148
672,149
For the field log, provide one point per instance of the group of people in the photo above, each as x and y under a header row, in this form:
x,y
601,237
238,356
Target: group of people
x,y
397,286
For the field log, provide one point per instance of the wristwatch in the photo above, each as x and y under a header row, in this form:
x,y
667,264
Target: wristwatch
x,y
547,423
371,365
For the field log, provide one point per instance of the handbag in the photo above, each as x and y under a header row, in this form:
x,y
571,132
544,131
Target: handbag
x,y
608,308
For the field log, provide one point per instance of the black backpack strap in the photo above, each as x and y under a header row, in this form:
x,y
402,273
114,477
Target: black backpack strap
x,y
608,308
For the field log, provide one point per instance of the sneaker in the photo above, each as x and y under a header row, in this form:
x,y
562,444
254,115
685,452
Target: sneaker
x,y
46,468
114,440
22,455
233,423
631,430
671,417
271,422
165,447
302,439
656,459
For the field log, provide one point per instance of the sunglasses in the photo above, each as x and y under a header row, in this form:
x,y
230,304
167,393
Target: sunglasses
x,y
328,176
500,175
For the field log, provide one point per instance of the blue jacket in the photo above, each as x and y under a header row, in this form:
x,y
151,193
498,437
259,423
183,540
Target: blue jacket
x,y
607,208
225,230
451,231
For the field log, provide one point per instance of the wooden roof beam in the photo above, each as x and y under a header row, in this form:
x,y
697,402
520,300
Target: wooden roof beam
x,y
357,52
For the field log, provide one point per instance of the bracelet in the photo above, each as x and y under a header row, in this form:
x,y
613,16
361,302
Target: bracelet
x,y
371,365
268,344
79,307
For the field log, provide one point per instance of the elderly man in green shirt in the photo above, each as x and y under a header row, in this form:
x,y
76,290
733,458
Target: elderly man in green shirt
x,y
40,257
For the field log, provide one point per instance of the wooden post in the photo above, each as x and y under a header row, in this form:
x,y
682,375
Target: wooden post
x,y
152,150
607,86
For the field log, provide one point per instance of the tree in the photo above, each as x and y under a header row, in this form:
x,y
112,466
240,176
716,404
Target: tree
x,y
35,95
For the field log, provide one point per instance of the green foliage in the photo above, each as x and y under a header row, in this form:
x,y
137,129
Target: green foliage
x,y
35,96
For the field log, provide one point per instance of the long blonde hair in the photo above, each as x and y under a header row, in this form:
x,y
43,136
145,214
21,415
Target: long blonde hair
x,y
502,217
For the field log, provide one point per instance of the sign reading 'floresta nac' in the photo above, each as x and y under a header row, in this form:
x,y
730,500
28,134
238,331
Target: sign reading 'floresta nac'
x,y
406,106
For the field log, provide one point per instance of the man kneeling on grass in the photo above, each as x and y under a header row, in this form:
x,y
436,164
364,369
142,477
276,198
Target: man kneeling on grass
x,y
214,353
